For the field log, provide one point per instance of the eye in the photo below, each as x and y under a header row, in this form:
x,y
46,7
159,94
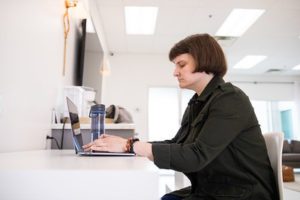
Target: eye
x,y
181,65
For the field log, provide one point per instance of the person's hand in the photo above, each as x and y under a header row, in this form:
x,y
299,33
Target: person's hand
x,y
106,142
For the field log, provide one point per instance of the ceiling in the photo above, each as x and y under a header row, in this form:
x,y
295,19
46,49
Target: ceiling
x,y
276,34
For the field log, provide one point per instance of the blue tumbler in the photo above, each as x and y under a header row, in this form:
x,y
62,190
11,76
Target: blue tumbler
x,y
97,115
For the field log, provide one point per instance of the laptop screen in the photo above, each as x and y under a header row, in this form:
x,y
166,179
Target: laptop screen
x,y
75,124
73,117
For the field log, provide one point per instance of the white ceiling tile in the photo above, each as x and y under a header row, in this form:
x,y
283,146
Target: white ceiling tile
x,y
275,34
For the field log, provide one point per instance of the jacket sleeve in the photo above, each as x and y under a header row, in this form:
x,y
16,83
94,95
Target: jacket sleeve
x,y
227,117
184,192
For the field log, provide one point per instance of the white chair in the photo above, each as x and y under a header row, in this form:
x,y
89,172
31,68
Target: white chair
x,y
274,142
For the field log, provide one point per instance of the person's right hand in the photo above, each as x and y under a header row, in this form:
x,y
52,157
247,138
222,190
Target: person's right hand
x,y
108,143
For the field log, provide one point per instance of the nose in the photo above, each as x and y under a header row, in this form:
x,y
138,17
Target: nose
x,y
176,72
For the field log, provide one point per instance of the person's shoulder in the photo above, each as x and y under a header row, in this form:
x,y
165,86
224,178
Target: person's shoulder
x,y
229,88
233,97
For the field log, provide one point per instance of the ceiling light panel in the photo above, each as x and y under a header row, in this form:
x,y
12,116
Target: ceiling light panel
x,y
249,61
239,21
140,20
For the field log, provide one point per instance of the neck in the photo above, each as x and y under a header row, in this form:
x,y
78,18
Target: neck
x,y
205,80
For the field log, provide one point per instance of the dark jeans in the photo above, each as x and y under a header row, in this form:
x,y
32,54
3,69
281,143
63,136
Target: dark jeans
x,y
170,197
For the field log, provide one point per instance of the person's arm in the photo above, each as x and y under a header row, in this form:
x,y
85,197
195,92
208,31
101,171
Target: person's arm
x,y
143,149
117,144
228,115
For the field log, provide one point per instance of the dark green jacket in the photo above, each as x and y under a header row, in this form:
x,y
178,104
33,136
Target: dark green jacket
x,y
219,147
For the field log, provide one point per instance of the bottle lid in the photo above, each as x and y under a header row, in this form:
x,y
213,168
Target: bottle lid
x,y
97,109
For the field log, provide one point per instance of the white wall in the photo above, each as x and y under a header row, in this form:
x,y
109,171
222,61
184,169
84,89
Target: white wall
x,y
92,77
31,60
132,75
266,87
31,81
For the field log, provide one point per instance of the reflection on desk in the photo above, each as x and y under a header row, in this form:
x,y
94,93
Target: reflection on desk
x,y
60,174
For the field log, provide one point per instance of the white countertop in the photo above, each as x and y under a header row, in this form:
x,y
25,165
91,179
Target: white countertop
x,y
61,174
88,126
68,160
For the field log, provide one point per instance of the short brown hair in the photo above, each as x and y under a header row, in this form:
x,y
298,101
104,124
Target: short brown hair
x,y
208,54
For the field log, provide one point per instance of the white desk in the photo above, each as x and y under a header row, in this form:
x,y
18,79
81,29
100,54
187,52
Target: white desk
x,y
60,174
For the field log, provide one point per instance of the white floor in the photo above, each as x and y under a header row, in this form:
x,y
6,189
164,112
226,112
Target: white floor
x,y
166,182
289,194
168,179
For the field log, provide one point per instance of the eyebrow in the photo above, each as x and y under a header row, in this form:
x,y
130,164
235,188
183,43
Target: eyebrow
x,y
180,62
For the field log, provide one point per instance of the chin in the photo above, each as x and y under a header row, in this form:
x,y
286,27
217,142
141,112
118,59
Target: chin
x,y
182,86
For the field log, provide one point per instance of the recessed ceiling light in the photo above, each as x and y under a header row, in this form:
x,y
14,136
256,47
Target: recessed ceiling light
x,y
140,20
297,67
238,22
249,61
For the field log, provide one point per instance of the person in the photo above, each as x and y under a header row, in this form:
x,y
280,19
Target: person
x,y
219,146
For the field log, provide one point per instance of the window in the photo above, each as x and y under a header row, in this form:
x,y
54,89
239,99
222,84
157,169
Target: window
x,y
167,105
262,111
276,116
165,110
163,113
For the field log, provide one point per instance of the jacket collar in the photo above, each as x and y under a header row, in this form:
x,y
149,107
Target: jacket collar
x,y
211,86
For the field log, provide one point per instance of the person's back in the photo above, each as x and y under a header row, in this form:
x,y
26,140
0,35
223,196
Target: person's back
x,y
232,160
243,169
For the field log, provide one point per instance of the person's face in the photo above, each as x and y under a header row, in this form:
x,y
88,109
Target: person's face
x,y
184,67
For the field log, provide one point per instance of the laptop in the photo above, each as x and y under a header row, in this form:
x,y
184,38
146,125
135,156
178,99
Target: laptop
x,y
77,137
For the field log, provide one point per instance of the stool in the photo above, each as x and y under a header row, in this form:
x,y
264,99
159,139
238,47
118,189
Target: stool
x,y
288,174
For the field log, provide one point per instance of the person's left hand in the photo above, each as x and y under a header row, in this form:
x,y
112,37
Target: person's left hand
x,y
106,142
